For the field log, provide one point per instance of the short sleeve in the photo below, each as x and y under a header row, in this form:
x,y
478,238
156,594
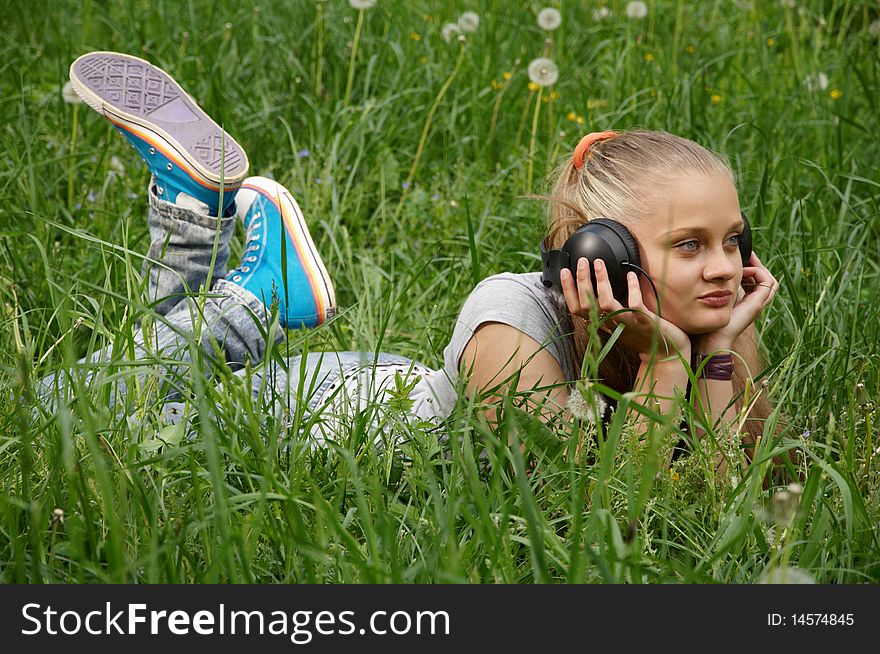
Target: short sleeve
x,y
521,302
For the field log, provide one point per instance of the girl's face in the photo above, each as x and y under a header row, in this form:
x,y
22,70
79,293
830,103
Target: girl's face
x,y
690,247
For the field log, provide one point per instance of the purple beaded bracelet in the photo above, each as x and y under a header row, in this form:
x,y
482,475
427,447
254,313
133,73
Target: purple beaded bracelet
x,y
719,366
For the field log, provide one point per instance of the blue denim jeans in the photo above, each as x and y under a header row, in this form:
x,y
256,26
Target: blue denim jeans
x,y
228,320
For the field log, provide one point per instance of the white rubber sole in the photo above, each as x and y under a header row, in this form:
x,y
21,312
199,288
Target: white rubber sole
x,y
144,100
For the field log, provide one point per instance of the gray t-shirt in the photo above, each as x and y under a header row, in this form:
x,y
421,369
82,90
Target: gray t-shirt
x,y
516,299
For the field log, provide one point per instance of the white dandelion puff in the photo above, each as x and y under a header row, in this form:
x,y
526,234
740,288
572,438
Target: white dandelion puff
x,y
449,30
69,95
636,10
601,13
788,4
469,21
816,82
362,4
57,517
579,408
874,28
543,71
784,506
549,19
785,574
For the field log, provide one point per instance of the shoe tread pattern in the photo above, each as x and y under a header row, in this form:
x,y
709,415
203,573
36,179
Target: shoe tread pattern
x,y
145,91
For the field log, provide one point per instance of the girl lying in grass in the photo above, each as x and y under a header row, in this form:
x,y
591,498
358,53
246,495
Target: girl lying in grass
x,y
671,275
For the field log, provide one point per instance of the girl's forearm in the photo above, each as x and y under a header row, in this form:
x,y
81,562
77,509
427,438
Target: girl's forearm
x,y
656,386
714,397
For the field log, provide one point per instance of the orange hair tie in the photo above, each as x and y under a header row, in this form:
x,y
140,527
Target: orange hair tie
x,y
584,145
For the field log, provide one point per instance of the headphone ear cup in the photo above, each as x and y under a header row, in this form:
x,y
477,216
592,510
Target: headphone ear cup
x,y
618,249
745,241
629,242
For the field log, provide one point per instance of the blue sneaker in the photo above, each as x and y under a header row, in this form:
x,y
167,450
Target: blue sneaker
x,y
273,221
187,152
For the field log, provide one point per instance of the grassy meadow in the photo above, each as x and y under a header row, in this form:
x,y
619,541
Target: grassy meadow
x,y
412,156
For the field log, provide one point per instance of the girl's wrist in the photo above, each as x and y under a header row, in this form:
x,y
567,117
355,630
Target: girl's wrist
x,y
718,367
669,360
708,345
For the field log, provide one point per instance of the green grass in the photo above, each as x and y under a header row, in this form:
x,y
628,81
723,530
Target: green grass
x,y
144,503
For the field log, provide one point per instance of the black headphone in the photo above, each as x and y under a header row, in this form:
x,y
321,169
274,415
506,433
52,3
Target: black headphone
x,y
610,241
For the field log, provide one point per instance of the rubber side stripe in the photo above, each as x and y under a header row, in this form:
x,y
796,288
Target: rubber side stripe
x,y
145,137
312,273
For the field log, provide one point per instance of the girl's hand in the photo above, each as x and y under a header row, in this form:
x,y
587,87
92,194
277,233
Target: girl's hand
x,y
643,328
745,310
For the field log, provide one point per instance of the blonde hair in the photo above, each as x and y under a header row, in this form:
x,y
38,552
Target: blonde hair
x,y
618,179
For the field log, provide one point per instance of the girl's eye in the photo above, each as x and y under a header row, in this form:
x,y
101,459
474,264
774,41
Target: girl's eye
x,y
694,245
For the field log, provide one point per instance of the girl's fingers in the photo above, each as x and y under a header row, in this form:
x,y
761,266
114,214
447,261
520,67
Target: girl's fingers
x,y
764,290
635,291
607,303
568,291
585,284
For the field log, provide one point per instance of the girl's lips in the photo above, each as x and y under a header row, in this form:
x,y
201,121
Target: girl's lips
x,y
716,300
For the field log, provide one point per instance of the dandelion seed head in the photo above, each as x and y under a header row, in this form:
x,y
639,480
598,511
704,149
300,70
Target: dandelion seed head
x,y
449,30
785,574
549,19
636,10
57,517
362,4
543,71
783,507
69,95
469,21
788,4
116,165
590,411
601,13
874,28
816,82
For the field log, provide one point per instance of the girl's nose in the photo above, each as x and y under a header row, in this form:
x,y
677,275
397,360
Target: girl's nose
x,y
722,265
